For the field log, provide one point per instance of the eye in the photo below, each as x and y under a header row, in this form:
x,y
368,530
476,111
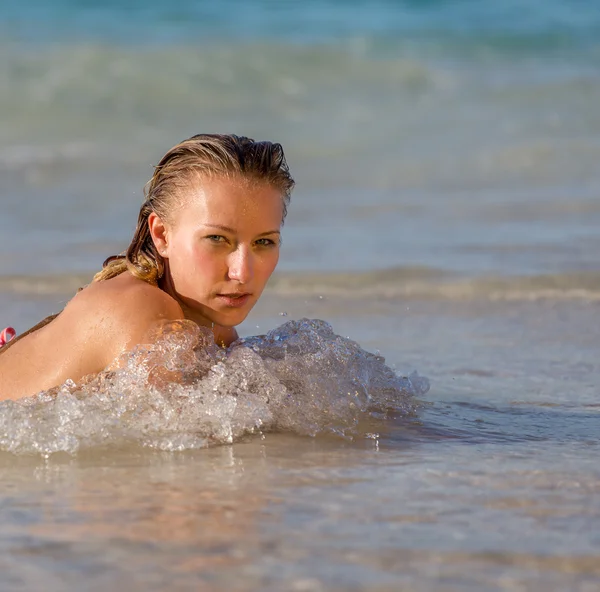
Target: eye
x,y
216,238
265,242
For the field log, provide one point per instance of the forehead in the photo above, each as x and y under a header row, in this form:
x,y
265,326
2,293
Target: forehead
x,y
231,202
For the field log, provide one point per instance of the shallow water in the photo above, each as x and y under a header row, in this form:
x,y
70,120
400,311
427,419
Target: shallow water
x,y
492,485
447,218
296,514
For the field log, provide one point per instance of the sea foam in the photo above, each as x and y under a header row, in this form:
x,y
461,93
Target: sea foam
x,y
183,392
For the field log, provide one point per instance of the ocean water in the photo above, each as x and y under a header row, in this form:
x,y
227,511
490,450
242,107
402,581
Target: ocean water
x,y
446,221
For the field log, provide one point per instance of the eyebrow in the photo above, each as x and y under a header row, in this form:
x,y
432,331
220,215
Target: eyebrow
x,y
233,231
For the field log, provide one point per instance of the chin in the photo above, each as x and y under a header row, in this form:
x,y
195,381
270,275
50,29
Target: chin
x,y
231,319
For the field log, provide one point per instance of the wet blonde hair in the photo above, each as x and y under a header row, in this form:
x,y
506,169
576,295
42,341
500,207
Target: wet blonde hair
x,y
203,156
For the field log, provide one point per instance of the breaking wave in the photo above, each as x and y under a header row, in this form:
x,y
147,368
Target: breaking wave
x,y
183,392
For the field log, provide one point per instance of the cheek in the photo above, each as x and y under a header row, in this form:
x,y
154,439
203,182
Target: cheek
x,y
269,263
192,259
206,263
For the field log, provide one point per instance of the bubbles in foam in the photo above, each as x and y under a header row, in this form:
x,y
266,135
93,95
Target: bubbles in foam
x,y
183,392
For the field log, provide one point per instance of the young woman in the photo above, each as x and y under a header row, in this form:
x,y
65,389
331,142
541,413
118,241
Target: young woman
x,y
206,243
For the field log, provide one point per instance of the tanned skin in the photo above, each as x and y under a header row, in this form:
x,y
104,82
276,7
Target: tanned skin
x,y
220,248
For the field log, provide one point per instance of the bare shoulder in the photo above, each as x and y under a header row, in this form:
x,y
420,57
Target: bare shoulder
x,y
119,312
98,324
125,298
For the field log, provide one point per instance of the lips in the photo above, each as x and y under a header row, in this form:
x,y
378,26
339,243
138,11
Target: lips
x,y
234,299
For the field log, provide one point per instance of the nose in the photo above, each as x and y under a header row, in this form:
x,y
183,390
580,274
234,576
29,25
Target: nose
x,y
240,265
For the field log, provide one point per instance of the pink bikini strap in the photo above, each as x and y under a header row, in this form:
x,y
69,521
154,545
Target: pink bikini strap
x,y
6,335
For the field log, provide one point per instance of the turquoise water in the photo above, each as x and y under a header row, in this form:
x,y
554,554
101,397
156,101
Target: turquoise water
x,y
447,215
535,23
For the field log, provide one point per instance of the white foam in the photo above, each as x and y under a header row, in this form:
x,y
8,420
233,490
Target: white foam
x,y
183,392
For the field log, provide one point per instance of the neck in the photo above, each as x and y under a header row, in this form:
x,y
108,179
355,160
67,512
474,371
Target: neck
x,y
166,285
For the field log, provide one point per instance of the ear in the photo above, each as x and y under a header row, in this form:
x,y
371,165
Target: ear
x,y
159,233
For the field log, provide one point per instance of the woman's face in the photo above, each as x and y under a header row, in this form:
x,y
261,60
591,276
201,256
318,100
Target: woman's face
x,y
221,247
